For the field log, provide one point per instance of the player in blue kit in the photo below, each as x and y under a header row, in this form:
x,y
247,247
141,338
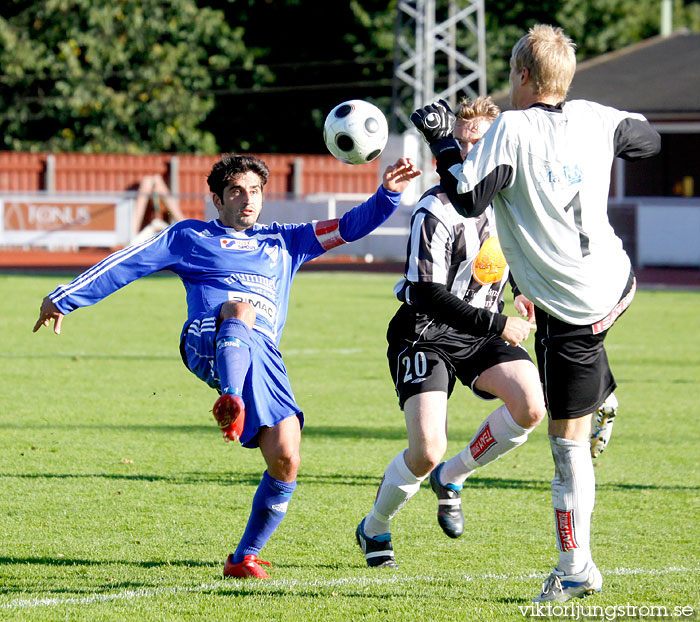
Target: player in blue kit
x,y
237,276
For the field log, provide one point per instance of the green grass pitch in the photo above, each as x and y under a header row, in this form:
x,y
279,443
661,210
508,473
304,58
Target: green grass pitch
x,y
120,499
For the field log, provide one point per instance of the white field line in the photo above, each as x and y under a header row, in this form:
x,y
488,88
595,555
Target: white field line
x,y
175,355
314,352
227,585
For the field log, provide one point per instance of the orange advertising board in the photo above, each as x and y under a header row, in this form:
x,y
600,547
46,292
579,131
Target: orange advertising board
x,y
72,220
51,216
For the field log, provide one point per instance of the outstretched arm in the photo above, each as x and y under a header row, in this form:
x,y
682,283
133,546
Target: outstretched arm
x,y
360,220
366,217
113,272
48,312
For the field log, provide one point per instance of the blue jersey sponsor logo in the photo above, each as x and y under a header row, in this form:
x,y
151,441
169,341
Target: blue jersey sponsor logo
x,y
239,245
263,307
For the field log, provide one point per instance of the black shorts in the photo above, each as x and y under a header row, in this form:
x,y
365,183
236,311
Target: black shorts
x,y
425,355
572,361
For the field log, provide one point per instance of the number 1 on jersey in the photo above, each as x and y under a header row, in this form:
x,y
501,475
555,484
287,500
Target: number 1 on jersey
x,y
582,236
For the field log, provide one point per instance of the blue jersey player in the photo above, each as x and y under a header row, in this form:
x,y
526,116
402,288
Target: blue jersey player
x,y
237,276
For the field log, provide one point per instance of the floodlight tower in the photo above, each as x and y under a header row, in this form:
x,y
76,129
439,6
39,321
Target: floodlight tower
x,y
431,61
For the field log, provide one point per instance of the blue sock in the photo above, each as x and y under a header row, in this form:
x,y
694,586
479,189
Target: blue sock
x,y
269,508
232,355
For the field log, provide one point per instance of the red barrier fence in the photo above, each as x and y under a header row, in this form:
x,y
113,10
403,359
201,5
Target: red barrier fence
x,y
21,171
185,175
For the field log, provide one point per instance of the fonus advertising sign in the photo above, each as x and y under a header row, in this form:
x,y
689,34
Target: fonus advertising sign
x,y
54,220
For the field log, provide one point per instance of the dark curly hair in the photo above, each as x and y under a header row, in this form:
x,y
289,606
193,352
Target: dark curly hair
x,y
231,165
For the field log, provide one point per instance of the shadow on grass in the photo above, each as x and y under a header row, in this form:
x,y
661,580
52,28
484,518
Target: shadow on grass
x,y
246,478
544,484
238,589
198,430
102,587
355,432
353,479
252,478
73,561
333,432
510,601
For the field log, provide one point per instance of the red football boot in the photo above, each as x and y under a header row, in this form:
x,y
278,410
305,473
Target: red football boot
x,y
249,567
229,412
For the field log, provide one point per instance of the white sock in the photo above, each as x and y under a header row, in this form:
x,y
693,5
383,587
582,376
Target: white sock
x,y
398,486
573,498
497,435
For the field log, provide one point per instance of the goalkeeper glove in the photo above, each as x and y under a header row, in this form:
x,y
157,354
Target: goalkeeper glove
x,y
434,121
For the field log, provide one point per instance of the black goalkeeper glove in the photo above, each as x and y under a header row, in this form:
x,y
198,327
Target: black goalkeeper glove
x,y
434,121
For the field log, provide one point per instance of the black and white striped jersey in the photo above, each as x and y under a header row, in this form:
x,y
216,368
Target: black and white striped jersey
x,y
546,170
463,254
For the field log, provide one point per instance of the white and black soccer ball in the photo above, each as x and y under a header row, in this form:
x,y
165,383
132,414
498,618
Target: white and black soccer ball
x,y
355,131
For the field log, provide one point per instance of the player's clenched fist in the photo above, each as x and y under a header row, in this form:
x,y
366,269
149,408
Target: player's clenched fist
x,y
434,121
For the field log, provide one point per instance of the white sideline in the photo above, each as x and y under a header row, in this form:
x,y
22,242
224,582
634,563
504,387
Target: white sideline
x,y
27,603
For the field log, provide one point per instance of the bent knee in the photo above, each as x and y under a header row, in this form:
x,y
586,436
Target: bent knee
x,y
422,461
243,311
284,466
529,414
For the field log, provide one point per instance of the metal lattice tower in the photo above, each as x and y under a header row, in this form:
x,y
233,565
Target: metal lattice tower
x,y
428,62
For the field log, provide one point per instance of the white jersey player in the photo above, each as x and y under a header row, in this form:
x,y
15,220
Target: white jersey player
x,y
545,167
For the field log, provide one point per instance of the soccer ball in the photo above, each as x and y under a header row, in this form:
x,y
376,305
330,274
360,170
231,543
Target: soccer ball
x,y
355,131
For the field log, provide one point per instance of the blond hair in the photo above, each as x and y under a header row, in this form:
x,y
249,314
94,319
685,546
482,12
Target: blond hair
x,y
549,54
481,107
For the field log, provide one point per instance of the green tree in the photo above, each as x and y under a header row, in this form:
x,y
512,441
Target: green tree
x,y
600,26
119,76
241,75
316,54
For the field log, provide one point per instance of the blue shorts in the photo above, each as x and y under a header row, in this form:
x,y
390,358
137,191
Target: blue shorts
x,y
267,392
